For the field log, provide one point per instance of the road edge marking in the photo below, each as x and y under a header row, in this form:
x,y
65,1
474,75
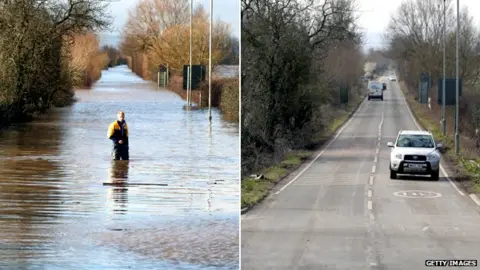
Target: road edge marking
x,y
475,198
324,149
420,128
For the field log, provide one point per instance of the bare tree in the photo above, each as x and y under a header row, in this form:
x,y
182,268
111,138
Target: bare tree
x,y
287,53
35,40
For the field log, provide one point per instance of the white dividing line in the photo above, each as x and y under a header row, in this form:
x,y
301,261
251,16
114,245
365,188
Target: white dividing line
x,y
370,182
378,150
370,193
420,128
324,149
375,159
374,168
369,205
475,198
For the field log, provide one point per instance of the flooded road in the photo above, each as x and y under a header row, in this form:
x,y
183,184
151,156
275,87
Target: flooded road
x,y
64,204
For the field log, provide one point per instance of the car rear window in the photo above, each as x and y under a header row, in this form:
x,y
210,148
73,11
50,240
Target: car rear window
x,y
375,86
419,141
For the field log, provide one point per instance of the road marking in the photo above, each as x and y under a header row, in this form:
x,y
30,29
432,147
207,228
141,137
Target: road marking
x,y
371,180
374,168
379,139
425,228
369,193
375,159
324,149
378,150
420,128
369,205
475,198
414,194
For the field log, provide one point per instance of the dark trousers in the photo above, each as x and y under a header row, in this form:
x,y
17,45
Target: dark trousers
x,y
120,151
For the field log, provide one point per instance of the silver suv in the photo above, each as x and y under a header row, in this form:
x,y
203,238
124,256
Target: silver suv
x,y
415,152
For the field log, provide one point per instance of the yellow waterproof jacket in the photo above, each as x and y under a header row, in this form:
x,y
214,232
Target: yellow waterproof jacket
x,y
117,132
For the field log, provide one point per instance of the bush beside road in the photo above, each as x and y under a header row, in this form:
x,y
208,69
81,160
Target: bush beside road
x,y
45,51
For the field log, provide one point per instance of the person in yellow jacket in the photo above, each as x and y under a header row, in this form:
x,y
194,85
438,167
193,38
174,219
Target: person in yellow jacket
x,y
118,133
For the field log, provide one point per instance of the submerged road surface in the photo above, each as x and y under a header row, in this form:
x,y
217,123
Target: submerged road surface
x,y
344,212
65,205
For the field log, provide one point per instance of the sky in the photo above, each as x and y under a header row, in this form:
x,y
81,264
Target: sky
x,y
374,16
225,10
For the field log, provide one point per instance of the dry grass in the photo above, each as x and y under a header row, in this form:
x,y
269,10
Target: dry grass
x,y
87,61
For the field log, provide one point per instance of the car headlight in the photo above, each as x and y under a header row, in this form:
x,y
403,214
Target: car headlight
x,y
398,156
433,157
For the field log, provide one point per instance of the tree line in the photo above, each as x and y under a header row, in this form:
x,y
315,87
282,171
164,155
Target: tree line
x,y
157,32
295,57
46,49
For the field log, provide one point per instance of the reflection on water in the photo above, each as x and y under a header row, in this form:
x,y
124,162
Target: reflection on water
x,y
118,181
64,204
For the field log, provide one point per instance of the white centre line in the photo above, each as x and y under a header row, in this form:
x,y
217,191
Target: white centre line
x,y
375,159
369,205
370,193
370,182
374,168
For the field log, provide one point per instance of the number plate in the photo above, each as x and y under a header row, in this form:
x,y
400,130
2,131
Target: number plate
x,y
415,166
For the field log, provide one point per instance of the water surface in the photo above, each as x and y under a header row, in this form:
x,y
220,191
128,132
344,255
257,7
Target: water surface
x,y
64,204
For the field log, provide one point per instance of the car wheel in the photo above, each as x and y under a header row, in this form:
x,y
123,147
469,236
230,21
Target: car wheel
x,y
435,175
381,98
369,98
393,174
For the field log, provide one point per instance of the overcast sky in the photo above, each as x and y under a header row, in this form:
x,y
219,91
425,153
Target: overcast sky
x,y
226,10
375,15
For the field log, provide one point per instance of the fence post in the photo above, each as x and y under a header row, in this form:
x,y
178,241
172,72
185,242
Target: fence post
x,y
167,74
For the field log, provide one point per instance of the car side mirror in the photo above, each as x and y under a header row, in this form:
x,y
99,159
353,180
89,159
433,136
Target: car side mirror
x,y
390,144
440,146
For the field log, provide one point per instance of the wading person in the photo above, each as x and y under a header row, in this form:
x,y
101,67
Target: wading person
x,y
118,133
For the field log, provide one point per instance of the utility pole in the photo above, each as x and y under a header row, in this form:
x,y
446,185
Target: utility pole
x,y
189,75
457,137
444,126
210,65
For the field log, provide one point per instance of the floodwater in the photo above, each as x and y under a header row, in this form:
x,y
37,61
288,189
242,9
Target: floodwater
x,y
64,204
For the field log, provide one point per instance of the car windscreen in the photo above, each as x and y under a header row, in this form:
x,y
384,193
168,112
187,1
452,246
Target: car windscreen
x,y
418,141
375,86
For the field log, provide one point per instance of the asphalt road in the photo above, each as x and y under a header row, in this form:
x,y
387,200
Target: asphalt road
x,y
344,212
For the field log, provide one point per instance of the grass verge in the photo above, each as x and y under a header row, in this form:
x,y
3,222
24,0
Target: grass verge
x,y
255,190
466,171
